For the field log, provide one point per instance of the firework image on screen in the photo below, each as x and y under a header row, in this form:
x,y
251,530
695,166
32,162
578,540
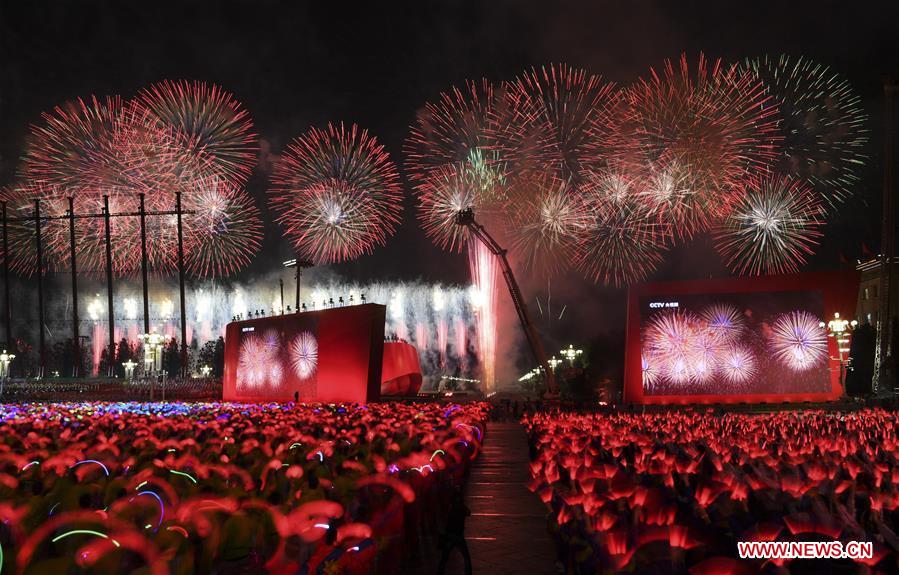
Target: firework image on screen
x,y
271,360
750,343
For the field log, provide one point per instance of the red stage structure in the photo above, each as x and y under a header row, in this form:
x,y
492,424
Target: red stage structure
x,y
331,355
734,340
401,370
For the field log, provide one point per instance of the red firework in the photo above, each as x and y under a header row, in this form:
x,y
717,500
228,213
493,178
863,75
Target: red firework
x,y
209,125
90,148
452,130
62,156
622,241
337,193
698,135
555,118
452,161
451,189
223,231
64,145
21,228
546,217
84,150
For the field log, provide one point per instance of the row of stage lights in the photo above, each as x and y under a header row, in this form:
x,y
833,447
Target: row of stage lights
x,y
326,304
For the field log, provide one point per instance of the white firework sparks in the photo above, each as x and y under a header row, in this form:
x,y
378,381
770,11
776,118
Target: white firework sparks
x,y
545,221
272,341
725,321
704,356
738,365
685,350
773,229
275,373
304,355
651,372
615,186
451,189
798,340
253,365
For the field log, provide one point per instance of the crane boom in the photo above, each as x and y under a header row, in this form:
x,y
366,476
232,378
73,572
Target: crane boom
x,y
466,218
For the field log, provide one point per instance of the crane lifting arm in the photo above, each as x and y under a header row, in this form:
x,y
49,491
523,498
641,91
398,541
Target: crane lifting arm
x,y
466,218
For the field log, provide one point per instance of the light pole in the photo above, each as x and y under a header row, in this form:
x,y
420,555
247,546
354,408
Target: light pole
x,y
840,329
153,344
571,354
5,360
300,265
205,370
553,362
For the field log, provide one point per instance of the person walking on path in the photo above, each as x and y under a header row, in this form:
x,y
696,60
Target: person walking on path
x,y
455,533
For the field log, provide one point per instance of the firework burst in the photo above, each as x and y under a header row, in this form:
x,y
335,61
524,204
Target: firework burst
x,y
272,340
83,149
452,162
336,193
558,116
708,128
725,321
824,124
772,229
545,221
21,232
452,130
209,126
671,338
254,367
304,355
798,340
449,190
614,187
737,365
90,148
223,230
703,361
651,371
685,350
622,241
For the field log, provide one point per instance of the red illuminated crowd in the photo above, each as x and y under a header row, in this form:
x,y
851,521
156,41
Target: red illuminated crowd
x,y
227,488
675,492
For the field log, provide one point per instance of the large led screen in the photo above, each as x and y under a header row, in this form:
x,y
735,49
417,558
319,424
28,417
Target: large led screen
x,y
270,359
737,339
328,355
734,344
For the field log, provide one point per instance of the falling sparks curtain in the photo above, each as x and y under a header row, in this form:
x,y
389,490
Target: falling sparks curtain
x,y
484,276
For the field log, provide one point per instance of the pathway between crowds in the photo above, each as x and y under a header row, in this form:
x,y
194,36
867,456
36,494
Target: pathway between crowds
x,y
507,529
506,532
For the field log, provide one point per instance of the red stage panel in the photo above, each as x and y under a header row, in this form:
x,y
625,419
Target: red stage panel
x,y
736,339
401,372
328,355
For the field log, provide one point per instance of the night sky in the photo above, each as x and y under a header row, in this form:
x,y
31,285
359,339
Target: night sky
x,y
298,64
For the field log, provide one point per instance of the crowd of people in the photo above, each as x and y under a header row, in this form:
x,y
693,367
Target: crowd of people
x,y
227,488
174,388
674,492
